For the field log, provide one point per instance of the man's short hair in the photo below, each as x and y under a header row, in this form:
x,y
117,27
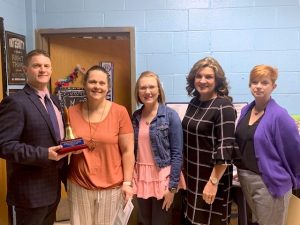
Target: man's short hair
x,y
33,53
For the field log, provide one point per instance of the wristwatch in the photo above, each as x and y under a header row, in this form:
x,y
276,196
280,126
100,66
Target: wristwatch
x,y
214,180
173,190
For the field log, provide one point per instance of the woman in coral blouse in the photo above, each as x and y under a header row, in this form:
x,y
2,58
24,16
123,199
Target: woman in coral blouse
x,y
100,177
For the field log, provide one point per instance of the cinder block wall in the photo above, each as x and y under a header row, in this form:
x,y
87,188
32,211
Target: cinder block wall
x,y
171,35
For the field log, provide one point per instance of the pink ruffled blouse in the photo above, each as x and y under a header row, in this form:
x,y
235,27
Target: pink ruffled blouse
x,y
148,179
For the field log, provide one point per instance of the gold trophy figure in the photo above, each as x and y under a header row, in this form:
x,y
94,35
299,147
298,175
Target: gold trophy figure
x,y
70,142
68,130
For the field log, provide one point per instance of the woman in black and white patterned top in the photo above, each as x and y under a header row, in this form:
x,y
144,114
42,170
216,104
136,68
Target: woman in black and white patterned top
x,y
209,143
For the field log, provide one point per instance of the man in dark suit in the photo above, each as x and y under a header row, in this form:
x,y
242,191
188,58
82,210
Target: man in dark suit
x,y
29,140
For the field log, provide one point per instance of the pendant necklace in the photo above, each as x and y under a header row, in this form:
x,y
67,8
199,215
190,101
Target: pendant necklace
x,y
91,143
256,112
148,118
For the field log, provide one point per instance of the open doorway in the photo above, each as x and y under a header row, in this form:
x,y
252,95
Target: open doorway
x,y
90,46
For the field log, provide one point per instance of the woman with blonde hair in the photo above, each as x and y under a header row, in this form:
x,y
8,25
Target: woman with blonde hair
x,y
158,150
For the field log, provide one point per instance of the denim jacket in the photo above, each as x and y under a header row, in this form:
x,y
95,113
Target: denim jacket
x,y
166,139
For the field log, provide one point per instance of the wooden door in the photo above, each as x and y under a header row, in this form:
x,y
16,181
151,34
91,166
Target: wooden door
x,y
3,206
1,84
67,52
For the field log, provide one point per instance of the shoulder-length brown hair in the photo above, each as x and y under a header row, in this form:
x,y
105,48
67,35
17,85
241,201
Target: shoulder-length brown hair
x,y
221,84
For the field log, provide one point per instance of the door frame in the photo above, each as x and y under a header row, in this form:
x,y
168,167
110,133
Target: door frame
x,y
3,88
3,76
42,42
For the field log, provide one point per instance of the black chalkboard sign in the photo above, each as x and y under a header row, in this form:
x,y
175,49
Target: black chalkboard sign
x,y
16,51
71,96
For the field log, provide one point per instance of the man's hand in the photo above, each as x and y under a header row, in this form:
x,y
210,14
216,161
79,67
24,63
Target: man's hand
x,y
53,155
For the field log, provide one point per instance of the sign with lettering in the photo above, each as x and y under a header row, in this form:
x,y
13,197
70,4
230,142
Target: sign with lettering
x,y
71,96
16,50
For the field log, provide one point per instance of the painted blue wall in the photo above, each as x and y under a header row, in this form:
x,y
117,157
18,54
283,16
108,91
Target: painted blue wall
x,y
18,17
171,35
14,15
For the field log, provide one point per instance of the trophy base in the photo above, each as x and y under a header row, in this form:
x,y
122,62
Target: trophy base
x,y
72,145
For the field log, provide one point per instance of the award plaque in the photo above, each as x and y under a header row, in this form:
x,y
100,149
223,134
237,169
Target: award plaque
x,y
70,143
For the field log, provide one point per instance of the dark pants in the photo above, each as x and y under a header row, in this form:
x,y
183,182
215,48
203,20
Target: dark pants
x,y
32,216
151,212
187,222
239,198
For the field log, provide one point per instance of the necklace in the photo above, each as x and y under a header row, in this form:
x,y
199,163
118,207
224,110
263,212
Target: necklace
x,y
91,143
148,117
256,112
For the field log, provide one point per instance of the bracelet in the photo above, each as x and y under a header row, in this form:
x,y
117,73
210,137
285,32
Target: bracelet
x,y
127,183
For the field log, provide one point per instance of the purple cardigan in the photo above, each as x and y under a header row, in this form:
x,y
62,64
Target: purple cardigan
x,y
277,149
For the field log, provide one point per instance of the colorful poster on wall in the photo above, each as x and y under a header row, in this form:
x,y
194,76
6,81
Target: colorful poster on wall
x,y
16,51
109,67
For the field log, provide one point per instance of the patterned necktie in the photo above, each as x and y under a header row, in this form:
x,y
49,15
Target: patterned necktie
x,y
52,115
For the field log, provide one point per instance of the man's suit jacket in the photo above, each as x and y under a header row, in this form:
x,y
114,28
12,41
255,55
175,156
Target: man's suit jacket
x,y
25,134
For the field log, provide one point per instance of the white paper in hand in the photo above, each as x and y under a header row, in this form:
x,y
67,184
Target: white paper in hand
x,y
123,214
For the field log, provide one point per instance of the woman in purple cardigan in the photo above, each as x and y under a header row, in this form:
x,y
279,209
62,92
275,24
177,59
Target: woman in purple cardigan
x,y
269,144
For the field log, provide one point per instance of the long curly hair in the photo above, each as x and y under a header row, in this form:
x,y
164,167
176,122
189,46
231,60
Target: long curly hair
x,y
221,87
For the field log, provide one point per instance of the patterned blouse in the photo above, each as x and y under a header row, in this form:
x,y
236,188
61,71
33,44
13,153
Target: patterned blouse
x,y
208,129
